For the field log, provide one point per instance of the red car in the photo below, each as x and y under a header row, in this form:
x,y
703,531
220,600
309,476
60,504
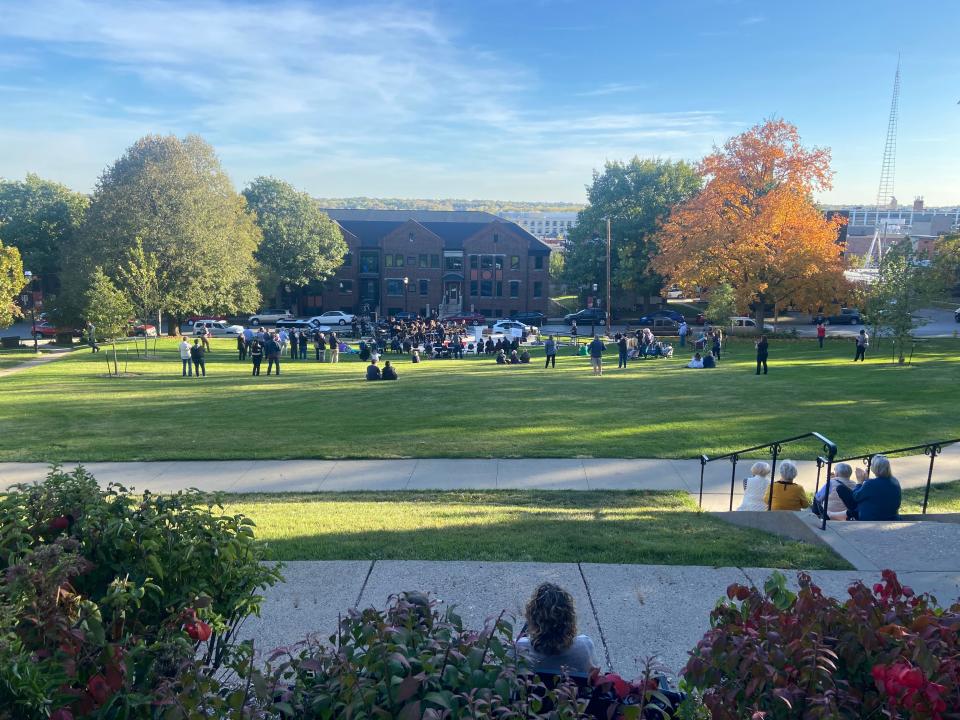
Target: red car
x,y
139,329
465,318
197,318
47,330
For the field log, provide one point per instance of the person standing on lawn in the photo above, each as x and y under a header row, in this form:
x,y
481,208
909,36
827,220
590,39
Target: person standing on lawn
x,y
304,339
863,342
334,342
596,349
550,350
763,348
185,358
272,351
196,354
622,349
205,336
682,332
821,334
573,333
256,355
242,347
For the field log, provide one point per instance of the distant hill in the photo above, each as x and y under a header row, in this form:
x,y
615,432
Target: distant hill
x,y
491,206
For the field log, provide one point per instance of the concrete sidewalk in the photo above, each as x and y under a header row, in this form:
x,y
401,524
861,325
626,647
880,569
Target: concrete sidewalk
x,y
243,476
630,611
35,361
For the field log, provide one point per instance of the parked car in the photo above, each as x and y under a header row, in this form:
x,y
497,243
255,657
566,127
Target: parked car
x,y
135,328
846,316
466,318
672,314
747,323
659,325
313,323
405,316
508,326
586,316
218,328
530,318
47,329
674,292
197,318
334,317
268,317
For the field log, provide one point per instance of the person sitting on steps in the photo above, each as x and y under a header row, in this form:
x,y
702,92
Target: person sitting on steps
x,y
551,643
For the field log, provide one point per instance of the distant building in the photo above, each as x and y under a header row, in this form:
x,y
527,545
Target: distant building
x,y
921,225
436,260
547,226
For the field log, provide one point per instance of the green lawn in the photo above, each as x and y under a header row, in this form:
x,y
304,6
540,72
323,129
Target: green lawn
x,y
661,528
944,498
10,358
69,410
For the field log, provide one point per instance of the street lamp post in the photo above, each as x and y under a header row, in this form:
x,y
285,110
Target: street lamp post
x,y
593,315
406,281
27,297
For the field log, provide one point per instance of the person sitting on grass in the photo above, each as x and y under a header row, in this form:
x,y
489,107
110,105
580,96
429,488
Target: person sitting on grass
x,y
875,498
501,357
514,359
787,495
755,488
373,372
524,357
834,507
696,363
551,643
709,361
388,372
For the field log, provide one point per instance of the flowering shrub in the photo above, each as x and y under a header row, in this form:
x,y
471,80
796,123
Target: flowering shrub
x,y
775,654
113,604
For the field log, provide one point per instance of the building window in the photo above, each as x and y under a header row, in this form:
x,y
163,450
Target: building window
x,y
486,288
499,289
498,313
410,237
398,261
496,237
346,286
474,261
486,262
538,289
348,260
388,261
424,287
435,261
369,262
514,262
514,288
473,288
411,260
454,264
395,287
498,262
424,261
538,262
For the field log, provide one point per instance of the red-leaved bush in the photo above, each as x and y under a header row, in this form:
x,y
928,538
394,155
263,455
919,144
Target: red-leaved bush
x,y
884,652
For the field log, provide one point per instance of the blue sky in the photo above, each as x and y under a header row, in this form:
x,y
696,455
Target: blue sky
x,y
499,99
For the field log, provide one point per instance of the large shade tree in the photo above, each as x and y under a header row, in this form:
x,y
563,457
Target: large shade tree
x,y
168,209
755,225
11,282
636,196
39,217
300,242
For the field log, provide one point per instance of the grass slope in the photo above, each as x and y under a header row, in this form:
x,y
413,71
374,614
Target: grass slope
x,y
69,410
944,498
661,528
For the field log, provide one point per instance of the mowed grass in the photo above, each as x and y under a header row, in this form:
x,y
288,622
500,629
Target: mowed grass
x,y
69,410
944,498
661,528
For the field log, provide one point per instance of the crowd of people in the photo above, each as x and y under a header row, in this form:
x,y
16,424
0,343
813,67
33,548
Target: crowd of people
x,y
873,496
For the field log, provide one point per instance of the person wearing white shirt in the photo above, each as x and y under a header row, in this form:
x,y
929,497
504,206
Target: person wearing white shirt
x,y
185,358
696,363
755,488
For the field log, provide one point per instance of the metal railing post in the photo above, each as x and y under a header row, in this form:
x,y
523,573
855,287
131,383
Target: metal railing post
x,y
816,487
775,449
733,478
932,451
703,465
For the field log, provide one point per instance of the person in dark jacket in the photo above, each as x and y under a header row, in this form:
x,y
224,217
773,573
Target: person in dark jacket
x,y
622,349
373,372
874,498
304,339
762,350
256,356
388,372
550,350
196,355
272,351
242,347
596,348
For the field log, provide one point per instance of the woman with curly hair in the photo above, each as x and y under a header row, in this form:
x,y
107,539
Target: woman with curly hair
x,y
551,644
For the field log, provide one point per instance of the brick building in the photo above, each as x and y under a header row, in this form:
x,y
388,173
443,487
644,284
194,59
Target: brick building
x,y
420,260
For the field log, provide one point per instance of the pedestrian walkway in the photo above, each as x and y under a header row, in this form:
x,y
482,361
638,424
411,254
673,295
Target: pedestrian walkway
x,y
35,361
630,611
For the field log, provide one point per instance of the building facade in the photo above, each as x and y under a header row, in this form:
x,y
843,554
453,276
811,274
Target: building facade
x,y
543,225
428,261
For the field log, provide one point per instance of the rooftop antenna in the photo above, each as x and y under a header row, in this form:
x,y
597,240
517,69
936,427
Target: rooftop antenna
x,y
885,197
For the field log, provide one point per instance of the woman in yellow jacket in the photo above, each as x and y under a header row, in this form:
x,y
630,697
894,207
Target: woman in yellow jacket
x,y
787,495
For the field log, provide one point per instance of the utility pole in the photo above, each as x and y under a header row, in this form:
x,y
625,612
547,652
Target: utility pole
x,y
607,307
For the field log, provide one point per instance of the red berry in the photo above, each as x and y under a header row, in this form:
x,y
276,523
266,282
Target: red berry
x,y
198,630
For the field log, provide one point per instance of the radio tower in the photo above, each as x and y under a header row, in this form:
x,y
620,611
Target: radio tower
x,y
885,191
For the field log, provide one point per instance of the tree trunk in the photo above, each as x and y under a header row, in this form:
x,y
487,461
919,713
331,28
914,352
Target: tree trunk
x,y
116,369
758,315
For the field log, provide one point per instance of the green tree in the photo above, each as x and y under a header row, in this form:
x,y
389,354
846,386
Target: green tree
x,y
171,197
11,282
108,309
722,304
557,264
39,217
300,241
906,282
637,197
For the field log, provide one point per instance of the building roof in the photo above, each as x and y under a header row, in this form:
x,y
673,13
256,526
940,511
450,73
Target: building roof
x,y
452,226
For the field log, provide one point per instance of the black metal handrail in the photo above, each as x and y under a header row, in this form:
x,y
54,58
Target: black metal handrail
x,y
775,447
930,449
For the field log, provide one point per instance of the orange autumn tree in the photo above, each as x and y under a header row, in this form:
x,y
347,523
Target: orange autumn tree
x,y
755,225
